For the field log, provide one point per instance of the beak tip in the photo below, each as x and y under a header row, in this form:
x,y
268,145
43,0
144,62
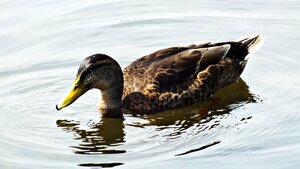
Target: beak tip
x,y
57,108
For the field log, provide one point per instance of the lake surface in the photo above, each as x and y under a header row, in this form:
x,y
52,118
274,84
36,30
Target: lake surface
x,y
253,123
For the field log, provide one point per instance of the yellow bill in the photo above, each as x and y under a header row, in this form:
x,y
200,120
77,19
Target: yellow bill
x,y
76,91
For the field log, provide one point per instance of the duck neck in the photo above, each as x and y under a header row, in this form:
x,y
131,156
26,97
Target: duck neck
x,y
110,104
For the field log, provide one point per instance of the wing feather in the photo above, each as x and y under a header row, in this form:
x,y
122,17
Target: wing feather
x,y
169,67
185,65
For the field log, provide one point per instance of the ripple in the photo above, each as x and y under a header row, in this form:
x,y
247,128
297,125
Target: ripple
x,y
102,165
199,149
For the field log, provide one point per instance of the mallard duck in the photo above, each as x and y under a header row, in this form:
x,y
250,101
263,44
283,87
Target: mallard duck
x,y
166,79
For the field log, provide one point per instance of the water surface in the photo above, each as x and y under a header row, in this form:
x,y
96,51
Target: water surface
x,y
253,123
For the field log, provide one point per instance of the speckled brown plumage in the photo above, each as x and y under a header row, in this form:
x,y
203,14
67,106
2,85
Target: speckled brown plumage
x,y
180,76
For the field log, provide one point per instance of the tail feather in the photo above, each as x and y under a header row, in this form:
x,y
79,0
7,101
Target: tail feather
x,y
253,43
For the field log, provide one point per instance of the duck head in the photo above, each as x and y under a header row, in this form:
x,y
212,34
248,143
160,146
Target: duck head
x,y
101,72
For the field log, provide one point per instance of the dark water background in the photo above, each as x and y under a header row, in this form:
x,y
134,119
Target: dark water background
x,y
252,124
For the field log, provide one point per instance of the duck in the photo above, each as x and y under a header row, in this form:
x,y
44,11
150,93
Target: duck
x,y
165,79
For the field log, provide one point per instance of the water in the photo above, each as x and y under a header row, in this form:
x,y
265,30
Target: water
x,y
252,124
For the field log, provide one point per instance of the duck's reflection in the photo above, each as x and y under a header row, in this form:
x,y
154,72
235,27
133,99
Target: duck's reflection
x,y
105,136
96,139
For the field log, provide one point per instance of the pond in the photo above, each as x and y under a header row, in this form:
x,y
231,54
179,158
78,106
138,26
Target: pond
x,y
254,123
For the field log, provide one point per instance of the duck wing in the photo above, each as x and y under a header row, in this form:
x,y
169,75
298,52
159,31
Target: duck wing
x,y
178,68
171,66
